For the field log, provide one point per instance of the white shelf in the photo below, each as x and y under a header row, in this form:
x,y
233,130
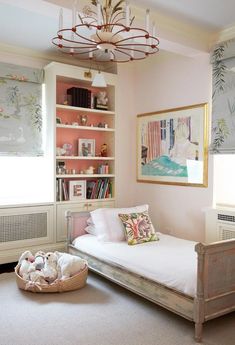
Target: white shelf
x,y
88,158
90,128
84,175
83,200
88,110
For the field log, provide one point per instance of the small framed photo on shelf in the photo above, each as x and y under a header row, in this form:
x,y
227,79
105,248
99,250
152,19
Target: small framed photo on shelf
x,y
77,190
86,147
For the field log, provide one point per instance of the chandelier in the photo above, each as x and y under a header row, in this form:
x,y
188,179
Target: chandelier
x,y
105,32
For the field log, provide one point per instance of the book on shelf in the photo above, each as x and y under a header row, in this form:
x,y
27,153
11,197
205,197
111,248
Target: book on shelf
x,y
61,190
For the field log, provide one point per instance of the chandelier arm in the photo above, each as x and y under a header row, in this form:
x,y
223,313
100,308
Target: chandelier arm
x,y
74,47
87,40
121,30
76,53
80,17
137,44
130,57
123,52
138,36
137,51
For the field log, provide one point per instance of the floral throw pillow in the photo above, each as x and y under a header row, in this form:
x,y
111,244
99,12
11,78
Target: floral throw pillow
x,y
138,228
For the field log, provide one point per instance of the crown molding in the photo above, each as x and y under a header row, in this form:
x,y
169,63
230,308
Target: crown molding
x,y
226,34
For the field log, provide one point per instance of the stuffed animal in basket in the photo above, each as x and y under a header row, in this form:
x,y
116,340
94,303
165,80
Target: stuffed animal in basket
x,y
68,265
39,260
26,264
37,277
50,267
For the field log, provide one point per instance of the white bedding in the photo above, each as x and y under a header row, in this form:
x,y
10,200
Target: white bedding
x,y
170,261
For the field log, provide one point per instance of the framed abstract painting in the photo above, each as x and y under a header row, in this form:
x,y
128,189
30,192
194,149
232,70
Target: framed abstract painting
x,y
172,146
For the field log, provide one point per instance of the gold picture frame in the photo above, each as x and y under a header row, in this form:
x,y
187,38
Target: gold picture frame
x,y
172,146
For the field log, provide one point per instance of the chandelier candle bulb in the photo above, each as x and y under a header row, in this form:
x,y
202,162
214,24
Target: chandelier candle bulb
x,y
72,39
127,14
98,13
153,32
61,19
74,12
132,53
147,20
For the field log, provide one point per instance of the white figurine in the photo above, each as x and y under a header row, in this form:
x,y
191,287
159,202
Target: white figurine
x,y
102,98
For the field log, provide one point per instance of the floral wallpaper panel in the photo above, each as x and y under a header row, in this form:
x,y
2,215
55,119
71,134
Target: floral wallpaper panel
x,y
223,102
21,122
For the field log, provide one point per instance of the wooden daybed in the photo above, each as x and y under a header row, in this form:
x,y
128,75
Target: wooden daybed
x,y
215,293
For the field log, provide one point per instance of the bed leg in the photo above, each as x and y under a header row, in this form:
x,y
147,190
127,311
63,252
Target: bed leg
x,y
198,332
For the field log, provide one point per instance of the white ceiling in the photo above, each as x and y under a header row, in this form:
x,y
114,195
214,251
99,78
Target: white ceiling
x,y
32,24
209,14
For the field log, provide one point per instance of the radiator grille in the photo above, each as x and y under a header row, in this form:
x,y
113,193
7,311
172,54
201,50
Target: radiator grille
x,y
226,234
226,217
22,227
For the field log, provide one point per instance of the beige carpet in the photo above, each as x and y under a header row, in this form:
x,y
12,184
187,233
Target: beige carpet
x,y
99,314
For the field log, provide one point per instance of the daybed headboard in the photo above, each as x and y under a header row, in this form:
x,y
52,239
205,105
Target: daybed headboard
x,y
76,223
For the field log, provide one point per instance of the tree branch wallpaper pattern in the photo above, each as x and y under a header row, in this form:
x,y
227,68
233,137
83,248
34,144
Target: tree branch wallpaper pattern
x,y
223,106
20,111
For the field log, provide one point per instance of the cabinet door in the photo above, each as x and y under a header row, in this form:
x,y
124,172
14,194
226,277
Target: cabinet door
x,y
61,222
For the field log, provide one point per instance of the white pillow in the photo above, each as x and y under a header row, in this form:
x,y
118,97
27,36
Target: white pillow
x,y
108,226
90,228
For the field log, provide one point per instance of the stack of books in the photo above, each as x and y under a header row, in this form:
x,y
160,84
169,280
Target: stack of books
x,y
80,97
99,189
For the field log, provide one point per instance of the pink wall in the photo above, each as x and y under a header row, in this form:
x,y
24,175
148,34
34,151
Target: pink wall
x,y
160,82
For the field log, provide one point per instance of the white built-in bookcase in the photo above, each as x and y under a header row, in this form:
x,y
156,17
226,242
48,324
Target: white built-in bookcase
x,y
51,233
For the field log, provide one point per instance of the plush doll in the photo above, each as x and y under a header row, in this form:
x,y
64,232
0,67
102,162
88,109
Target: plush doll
x,y
37,277
26,264
68,265
39,260
50,267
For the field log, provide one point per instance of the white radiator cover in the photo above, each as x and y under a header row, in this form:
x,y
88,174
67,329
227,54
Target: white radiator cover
x,y
220,224
26,226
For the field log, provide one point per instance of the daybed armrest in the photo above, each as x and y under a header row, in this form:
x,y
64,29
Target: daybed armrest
x,y
76,223
216,268
215,282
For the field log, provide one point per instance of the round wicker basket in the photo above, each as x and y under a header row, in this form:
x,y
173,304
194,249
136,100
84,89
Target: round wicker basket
x,y
75,282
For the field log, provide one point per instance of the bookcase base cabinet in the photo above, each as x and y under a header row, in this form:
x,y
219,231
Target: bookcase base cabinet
x,y
62,209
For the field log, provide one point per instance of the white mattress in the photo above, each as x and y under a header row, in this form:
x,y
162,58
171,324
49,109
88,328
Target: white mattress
x,y
170,261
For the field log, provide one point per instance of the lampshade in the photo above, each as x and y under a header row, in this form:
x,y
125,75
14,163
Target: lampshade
x,y
99,80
